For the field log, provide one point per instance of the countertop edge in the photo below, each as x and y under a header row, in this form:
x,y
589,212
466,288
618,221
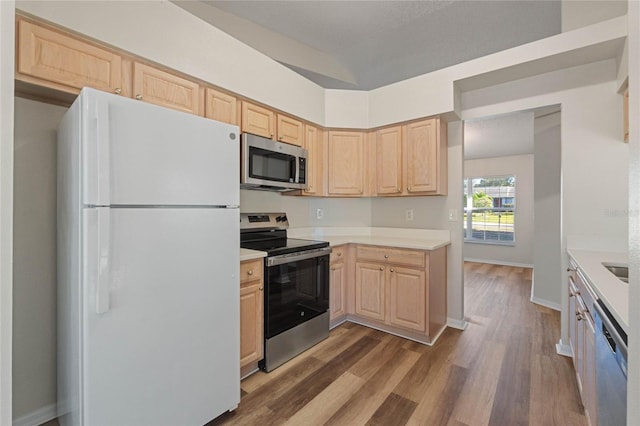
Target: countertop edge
x,y
248,254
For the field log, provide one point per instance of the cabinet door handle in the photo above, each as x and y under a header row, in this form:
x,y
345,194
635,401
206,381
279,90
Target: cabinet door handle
x,y
391,269
382,268
117,91
339,253
386,256
250,272
139,97
261,288
570,270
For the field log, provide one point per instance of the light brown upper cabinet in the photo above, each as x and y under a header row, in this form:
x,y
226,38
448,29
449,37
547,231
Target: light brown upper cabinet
x,y
290,130
53,59
313,144
425,157
159,87
258,120
388,168
346,165
221,106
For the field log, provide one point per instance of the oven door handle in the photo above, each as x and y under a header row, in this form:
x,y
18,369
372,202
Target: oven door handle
x,y
294,257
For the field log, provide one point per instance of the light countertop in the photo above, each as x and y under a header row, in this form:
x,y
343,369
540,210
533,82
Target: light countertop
x,y
421,239
247,254
613,292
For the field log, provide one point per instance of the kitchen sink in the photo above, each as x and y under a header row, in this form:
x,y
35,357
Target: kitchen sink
x,y
620,271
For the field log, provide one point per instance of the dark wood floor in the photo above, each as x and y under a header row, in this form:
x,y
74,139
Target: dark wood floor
x,y
502,370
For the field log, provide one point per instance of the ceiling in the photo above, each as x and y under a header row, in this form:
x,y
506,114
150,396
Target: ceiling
x,y
363,45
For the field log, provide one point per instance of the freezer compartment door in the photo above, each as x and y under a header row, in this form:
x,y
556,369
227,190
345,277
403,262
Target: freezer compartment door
x,y
135,153
164,350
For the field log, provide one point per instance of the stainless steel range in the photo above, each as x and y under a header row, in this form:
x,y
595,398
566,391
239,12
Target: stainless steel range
x,y
296,275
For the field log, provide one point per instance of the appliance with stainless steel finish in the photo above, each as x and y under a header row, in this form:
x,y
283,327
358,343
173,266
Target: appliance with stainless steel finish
x,y
271,165
296,281
611,368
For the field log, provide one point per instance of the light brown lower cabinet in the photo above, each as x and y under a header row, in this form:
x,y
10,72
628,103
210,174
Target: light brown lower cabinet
x,y
251,315
397,290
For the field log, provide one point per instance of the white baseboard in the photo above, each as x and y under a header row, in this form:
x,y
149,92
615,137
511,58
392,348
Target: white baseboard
x,y
499,262
41,415
456,323
564,350
546,303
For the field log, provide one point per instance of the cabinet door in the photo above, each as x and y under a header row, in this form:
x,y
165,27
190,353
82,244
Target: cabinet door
x,y
337,291
346,163
389,160
221,106
251,322
370,291
161,88
290,130
258,120
589,389
313,144
407,299
572,319
58,58
422,156
580,333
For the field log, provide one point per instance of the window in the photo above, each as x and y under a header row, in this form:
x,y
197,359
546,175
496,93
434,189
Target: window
x,y
489,211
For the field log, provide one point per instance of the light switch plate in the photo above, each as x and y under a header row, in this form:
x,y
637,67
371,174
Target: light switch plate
x,y
319,213
453,215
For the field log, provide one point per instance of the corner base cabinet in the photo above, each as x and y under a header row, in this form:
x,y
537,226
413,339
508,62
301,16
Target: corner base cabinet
x,y
402,291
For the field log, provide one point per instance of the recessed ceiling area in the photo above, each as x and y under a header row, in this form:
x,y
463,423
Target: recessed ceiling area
x,y
363,45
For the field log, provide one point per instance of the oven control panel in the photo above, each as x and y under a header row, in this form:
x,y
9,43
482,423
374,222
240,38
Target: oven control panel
x,y
263,220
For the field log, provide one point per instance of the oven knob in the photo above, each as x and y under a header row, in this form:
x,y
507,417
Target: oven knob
x,y
284,218
278,218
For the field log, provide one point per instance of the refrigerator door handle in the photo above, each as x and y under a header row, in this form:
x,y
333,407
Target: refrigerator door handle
x,y
98,233
103,158
96,153
104,235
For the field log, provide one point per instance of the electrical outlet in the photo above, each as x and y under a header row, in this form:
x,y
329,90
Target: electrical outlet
x,y
408,214
319,213
453,215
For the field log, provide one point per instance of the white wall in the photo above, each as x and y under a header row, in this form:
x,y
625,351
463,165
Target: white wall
x,y
7,55
520,166
548,278
579,13
301,211
34,277
433,213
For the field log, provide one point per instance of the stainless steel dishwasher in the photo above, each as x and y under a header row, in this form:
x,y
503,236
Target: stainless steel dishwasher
x,y
611,368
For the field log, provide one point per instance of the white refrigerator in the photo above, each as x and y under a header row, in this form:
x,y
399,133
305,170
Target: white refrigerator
x,y
148,265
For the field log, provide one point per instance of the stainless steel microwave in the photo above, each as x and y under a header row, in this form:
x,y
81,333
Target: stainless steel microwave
x,y
271,165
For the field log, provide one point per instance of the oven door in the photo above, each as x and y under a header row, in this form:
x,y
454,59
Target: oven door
x,y
297,289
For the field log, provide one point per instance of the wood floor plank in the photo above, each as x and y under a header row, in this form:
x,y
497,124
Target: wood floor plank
x,y
438,402
395,410
323,406
299,395
364,403
479,391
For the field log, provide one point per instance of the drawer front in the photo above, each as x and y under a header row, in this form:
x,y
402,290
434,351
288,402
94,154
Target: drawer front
x,y
393,255
338,254
251,270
